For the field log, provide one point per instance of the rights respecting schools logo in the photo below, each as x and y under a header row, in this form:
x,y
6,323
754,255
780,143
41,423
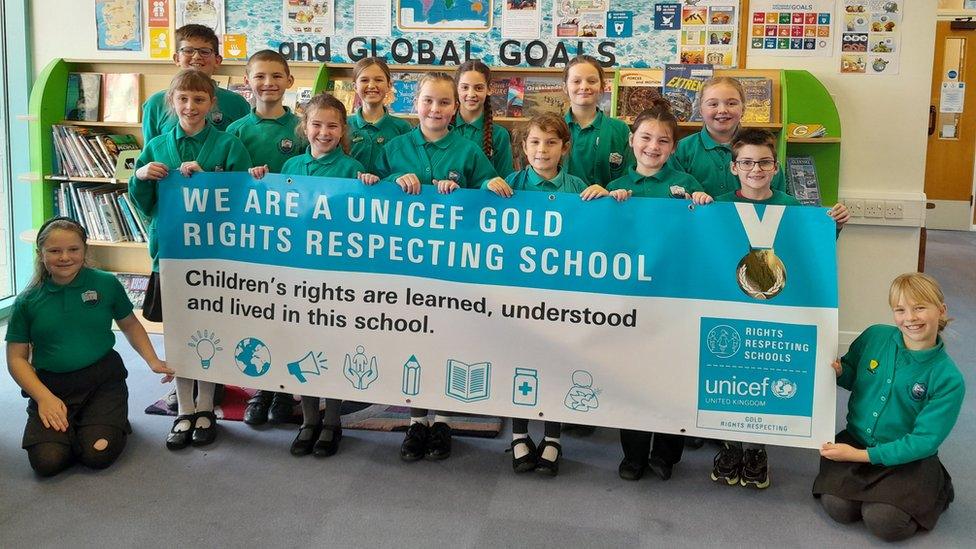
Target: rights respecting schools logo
x,y
723,341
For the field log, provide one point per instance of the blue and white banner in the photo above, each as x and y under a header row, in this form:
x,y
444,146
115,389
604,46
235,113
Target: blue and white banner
x,y
717,321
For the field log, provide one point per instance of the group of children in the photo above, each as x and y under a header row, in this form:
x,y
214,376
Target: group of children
x,y
457,145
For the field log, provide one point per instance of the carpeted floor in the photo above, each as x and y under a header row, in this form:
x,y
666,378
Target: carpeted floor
x,y
246,491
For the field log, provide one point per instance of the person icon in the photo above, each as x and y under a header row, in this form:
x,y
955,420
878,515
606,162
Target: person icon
x,y
359,369
581,396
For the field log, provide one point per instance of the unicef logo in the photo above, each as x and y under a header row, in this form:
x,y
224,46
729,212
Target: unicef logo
x,y
784,388
723,341
252,357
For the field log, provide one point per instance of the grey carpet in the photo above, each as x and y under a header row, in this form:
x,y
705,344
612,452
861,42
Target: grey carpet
x,y
247,491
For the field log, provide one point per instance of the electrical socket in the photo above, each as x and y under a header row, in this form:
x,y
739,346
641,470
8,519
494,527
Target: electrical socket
x,y
894,210
874,208
855,206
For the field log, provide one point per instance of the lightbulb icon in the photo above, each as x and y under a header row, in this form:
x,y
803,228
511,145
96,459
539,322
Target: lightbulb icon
x,y
206,345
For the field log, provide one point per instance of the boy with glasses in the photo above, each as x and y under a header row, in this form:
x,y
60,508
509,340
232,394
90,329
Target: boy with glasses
x,y
754,163
196,48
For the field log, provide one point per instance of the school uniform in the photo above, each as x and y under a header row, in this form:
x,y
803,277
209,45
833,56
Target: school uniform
x,y
213,149
369,138
666,183
600,151
335,163
450,157
270,141
709,162
159,118
902,406
70,329
530,180
777,199
501,142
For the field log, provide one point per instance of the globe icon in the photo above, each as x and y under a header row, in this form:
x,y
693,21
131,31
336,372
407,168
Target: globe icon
x,y
252,357
784,388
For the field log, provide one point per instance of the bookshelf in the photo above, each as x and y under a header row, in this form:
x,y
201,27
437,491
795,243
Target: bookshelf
x,y
806,101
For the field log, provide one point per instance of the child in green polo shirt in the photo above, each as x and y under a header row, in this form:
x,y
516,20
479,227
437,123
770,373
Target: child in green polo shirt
x,y
906,393
474,117
59,351
193,145
754,163
431,153
371,127
600,153
196,48
268,134
706,155
653,139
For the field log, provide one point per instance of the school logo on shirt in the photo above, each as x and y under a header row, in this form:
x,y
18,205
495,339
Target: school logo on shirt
x,y
357,138
216,116
380,140
918,391
286,145
218,168
89,297
453,176
678,191
872,366
616,160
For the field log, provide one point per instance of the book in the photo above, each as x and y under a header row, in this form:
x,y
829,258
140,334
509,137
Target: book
x,y
801,176
345,91
302,97
120,97
468,382
682,88
805,130
89,152
498,96
636,90
759,99
135,285
82,96
544,94
516,97
404,93
244,91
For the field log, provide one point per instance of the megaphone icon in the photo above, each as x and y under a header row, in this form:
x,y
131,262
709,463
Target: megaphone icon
x,y
310,364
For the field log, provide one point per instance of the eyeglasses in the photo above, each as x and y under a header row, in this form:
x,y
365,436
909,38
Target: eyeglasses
x,y
764,165
202,52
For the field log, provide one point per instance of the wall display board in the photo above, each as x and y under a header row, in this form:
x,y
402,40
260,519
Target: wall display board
x,y
724,327
870,37
791,29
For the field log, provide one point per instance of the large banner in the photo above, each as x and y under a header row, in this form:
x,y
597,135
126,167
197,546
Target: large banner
x,y
717,321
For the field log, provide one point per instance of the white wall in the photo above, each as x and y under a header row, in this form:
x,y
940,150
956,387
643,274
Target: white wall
x,y
884,120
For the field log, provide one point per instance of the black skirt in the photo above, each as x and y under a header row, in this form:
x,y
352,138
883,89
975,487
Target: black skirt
x,y
152,304
922,488
94,395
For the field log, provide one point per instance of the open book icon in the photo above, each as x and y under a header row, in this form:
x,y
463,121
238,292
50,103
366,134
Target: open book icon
x,y
468,382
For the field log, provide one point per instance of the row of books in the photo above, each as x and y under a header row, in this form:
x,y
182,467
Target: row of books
x,y
86,152
104,210
110,97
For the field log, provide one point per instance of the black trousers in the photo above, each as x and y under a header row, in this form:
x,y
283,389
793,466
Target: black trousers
x,y
638,444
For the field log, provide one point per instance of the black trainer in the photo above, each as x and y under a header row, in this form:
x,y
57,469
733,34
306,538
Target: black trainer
x,y
282,408
256,412
727,464
439,444
755,469
414,445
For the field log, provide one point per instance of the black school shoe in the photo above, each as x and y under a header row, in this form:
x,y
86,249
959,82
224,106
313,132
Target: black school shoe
x,y
631,469
305,440
326,448
660,468
203,436
414,445
177,440
439,443
544,466
256,412
527,462
282,408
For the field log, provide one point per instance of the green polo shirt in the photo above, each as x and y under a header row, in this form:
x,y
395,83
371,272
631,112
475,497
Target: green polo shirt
x,y
501,142
69,326
903,403
269,141
334,164
213,149
529,180
158,118
369,138
777,199
600,151
451,157
709,163
666,183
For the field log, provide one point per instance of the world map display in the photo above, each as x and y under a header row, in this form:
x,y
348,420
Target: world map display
x,y
444,15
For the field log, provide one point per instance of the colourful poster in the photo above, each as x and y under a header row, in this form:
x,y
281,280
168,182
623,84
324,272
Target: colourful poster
x,y
785,29
871,36
308,17
159,43
118,25
235,46
444,15
580,18
158,13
